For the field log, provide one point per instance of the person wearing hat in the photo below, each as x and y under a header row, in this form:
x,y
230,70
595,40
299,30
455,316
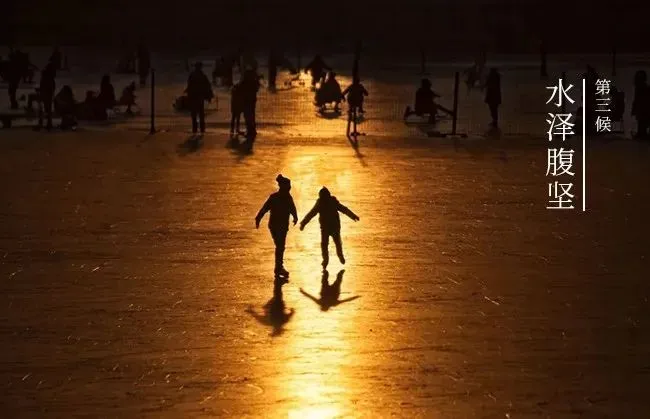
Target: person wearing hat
x,y
198,91
424,102
328,207
281,206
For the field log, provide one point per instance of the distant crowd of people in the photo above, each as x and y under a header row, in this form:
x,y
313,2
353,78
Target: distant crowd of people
x,y
328,92
95,106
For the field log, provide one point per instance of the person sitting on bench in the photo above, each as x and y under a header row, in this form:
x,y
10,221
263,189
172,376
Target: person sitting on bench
x,y
106,97
424,102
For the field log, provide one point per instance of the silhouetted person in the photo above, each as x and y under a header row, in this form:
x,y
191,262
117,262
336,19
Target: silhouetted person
x,y
355,94
275,314
317,69
14,74
641,104
128,98
236,108
217,71
227,70
106,97
46,90
425,102
281,206
198,91
249,86
64,104
493,95
329,92
329,293
327,207
144,64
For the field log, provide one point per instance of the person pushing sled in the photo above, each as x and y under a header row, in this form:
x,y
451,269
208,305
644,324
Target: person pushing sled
x,y
328,207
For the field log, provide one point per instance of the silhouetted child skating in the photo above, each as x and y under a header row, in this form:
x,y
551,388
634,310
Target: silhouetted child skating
x,y
355,94
281,206
328,207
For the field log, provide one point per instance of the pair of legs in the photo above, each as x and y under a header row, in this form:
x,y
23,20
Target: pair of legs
x,y
235,117
197,110
324,245
45,110
280,240
494,112
249,116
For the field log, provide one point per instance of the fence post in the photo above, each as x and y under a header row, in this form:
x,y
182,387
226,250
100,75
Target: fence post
x,y
455,109
152,129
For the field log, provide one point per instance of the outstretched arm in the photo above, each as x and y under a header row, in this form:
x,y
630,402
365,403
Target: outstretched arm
x,y
345,210
293,210
311,214
308,295
265,208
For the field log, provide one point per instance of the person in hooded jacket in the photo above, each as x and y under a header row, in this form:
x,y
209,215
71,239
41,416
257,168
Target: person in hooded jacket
x,y
328,207
280,204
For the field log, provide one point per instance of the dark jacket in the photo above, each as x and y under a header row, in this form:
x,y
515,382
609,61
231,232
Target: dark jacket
x,y
424,99
281,206
198,86
328,214
355,93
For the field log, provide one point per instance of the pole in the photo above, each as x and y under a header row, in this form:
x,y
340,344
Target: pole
x,y
298,50
455,109
423,61
152,129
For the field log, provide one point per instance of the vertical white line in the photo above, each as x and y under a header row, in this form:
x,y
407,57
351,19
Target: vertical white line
x,y
584,145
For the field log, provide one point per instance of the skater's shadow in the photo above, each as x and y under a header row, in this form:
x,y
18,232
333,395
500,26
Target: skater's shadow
x,y
238,145
191,145
275,314
329,293
354,142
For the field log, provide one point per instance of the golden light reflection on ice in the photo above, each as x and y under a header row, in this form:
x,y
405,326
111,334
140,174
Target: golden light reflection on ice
x,y
320,346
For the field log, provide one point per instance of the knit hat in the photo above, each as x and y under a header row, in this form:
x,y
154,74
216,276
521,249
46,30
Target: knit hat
x,y
282,180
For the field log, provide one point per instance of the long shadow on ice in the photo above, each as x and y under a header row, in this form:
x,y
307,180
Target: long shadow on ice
x,y
191,145
275,313
329,293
